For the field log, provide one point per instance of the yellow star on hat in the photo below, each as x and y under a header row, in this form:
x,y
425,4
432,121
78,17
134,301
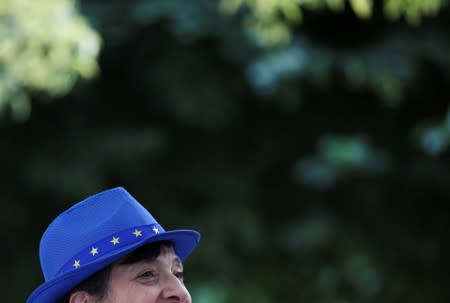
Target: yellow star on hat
x,y
94,251
115,240
137,233
76,264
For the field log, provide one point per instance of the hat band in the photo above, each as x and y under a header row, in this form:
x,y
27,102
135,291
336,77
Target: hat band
x,y
108,244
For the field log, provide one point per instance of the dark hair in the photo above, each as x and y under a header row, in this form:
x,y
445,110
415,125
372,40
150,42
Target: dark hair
x,y
97,284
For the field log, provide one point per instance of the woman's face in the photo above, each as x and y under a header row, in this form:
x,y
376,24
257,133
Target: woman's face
x,y
157,281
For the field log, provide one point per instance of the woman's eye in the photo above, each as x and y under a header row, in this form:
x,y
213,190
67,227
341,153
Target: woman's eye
x,y
148,274
179,275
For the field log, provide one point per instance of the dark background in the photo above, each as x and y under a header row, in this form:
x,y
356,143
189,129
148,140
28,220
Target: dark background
x,y
316,170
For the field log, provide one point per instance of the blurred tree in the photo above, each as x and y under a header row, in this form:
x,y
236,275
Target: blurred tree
x,y
44,47
270,22
316,169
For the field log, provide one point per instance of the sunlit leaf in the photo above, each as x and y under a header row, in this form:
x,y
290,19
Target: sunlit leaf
x,y
45,46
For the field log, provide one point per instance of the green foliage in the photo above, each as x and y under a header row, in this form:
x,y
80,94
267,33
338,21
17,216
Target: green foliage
x,y
340,157
413,10
387,69
434,138
316,171
270,21
44,46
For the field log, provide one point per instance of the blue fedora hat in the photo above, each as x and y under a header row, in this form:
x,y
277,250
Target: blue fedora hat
x,y
93,234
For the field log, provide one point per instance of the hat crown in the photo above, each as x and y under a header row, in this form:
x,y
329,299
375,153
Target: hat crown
x,y
86,222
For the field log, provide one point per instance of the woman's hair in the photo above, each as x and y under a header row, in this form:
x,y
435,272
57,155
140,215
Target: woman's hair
x,y
97,284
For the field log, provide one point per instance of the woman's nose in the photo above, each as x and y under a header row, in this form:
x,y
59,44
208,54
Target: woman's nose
x,y
174,290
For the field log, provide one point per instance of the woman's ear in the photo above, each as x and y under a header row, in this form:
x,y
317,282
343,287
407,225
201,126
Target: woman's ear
x,y
80,296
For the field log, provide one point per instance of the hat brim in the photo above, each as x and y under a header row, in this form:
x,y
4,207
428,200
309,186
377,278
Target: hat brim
x,y
49,292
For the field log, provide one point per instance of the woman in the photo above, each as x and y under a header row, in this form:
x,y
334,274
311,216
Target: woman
x,y
108,248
